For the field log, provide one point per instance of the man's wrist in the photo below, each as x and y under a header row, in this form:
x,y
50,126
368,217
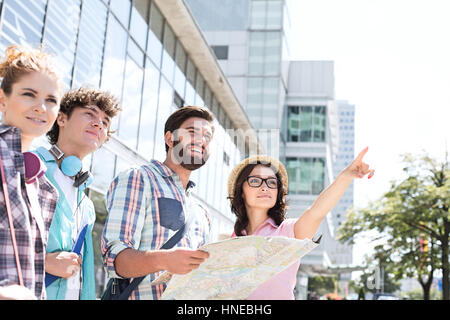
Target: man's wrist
x,y
159,259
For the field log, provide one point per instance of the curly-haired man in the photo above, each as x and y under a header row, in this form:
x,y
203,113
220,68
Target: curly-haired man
x,y
82,126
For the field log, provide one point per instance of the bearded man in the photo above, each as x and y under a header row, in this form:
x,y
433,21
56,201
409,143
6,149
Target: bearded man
x,y
148,205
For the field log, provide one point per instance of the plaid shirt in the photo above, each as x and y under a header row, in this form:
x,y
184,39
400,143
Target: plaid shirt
x,y
31,226
142,216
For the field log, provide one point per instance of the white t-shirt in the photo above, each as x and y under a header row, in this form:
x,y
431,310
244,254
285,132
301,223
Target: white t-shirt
x,y
81,218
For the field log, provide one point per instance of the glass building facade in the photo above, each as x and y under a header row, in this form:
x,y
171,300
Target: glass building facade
x,y
306,175
267,46
250,39
306,124
130,49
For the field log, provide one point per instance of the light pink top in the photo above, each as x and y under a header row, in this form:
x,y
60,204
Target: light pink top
x,y
281,286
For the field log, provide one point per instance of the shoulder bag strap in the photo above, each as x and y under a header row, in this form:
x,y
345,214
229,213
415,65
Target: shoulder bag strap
x,y
167,245
170,243
11,224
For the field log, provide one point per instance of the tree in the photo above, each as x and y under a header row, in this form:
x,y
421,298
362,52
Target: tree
x,y
409,254
322,284
413,217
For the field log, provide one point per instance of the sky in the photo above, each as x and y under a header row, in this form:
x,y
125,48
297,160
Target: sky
x,y
392,61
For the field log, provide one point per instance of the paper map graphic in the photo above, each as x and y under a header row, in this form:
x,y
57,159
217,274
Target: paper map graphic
x,y
235,267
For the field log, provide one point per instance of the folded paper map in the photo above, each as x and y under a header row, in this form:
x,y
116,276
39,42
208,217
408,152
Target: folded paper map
x,y
235,267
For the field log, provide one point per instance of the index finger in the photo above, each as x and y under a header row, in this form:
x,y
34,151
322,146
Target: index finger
x,y
362,154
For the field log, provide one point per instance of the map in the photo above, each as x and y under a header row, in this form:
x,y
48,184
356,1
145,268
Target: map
x,y
235,267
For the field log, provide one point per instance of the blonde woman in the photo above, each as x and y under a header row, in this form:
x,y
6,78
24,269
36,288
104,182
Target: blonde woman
x,y
29,101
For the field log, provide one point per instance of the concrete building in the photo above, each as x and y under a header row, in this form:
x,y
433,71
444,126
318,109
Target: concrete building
x,y
153,56
346,154
310,151
342,254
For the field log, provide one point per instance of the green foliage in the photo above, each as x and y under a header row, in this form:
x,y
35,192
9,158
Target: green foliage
x,y
413,219
417,294
322,284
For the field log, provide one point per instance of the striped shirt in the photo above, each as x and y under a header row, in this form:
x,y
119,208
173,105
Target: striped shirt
x,y
142,215
31,226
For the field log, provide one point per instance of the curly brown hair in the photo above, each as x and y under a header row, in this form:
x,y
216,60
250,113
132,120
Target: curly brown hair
x,y
277,212
82,97
19,61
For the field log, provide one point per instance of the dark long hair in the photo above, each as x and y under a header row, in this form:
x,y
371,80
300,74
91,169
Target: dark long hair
x,y
277,212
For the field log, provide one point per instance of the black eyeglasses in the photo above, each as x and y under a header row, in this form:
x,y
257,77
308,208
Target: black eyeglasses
x,y
256,182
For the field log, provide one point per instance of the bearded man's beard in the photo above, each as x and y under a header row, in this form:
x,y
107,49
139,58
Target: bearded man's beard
x,y
180,155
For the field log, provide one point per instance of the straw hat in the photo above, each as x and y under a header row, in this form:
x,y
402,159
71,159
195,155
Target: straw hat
x,y
263,159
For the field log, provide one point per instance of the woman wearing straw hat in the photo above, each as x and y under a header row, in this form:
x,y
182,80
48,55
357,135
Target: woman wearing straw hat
x,y
257,189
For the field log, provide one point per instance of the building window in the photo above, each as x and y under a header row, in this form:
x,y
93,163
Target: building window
x,y
149,109
221,52
226,158
306,123
60,35
114,59
266,14
179,82
168,62
139,21
208,97
306,175
155,36
91,39
177,100
22,22
264,53
319,119
199,88
165,109
129,120
121,10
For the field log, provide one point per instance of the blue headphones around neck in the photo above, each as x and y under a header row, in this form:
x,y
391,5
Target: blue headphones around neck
x,y
72,166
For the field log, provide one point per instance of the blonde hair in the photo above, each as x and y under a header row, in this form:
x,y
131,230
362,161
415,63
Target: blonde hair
x,y
20,61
